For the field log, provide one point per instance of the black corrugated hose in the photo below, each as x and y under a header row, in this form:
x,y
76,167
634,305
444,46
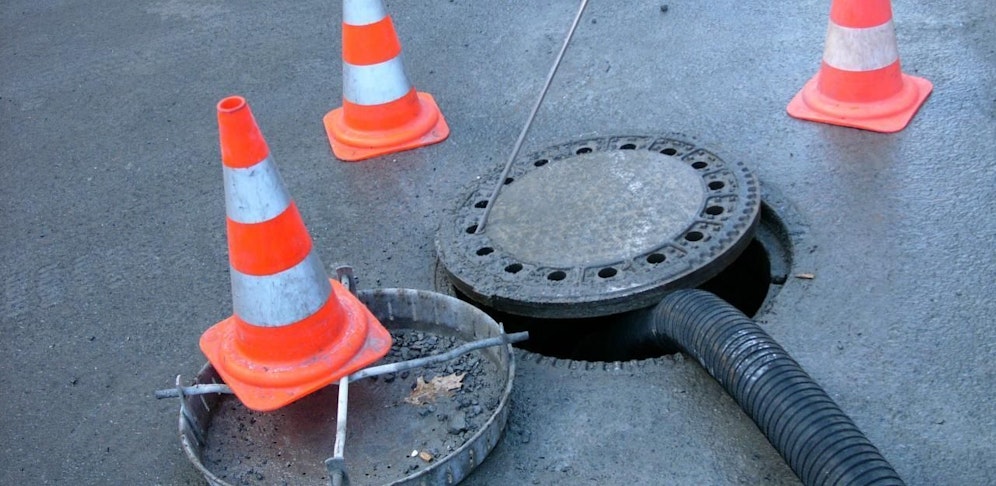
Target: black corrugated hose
x,y
817,439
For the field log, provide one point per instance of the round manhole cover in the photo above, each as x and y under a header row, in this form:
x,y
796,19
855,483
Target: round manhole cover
x,y
600,226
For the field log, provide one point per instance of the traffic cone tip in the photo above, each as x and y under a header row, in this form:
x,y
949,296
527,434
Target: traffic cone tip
x,y
242,143
232,104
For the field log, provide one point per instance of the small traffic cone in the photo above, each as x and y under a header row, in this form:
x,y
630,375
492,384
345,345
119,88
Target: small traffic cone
x,y
293,329
860,83
381,112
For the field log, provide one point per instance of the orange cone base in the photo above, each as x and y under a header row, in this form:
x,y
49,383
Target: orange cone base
x,y
889,115
350,144
266,386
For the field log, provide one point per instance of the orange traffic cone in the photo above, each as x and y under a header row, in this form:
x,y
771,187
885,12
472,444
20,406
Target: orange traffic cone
x,y
293,330
381,112
860,83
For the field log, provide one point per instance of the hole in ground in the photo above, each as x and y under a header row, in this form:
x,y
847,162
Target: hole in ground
x,y
744,284
748,284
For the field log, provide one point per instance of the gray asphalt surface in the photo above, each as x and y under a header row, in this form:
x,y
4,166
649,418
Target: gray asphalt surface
x,y
114,256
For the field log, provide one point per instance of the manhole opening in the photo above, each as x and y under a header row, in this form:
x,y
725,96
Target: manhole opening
x,y
748,283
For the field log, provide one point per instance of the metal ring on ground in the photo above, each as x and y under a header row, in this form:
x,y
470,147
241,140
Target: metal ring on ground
x,y
397,309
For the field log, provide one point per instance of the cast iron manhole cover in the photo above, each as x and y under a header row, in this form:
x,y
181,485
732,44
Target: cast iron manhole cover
x,y
600,226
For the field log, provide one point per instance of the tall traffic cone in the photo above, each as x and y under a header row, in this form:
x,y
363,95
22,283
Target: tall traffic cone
x,y
860,83
293,330
381,112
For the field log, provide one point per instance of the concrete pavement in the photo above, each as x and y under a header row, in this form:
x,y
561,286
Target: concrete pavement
x,y
114,258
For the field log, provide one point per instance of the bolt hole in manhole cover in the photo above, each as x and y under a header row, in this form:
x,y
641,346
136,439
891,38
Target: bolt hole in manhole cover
x,y
587,231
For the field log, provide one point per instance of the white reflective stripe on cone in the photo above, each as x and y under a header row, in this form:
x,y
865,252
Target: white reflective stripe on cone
x,y
866,49
255,194
375,84
362,12
282,298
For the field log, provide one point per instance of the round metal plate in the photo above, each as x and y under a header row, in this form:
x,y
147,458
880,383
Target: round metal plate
x,y
600,226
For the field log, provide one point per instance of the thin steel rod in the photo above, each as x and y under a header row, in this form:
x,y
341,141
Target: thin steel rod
x,y
340,419
439,358
336,465
204,389
529,121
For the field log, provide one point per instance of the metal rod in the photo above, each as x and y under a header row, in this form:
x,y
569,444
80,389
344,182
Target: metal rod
x,y
336,465
206,388
438,358
529,121
340,418
202,389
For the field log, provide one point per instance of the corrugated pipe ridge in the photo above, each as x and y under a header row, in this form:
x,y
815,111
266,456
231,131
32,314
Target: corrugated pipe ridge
x,y
817,439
